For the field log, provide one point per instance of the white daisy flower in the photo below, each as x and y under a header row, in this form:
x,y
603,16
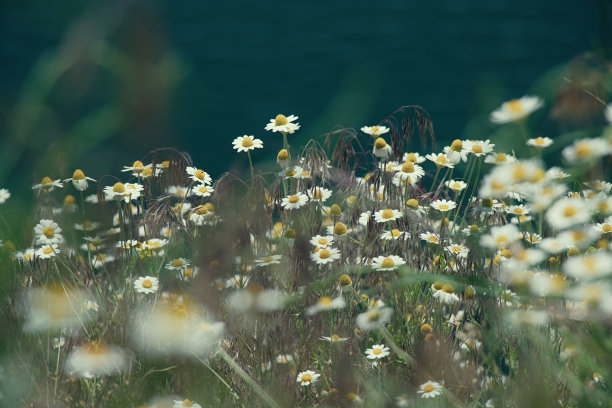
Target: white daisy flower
x,y
430,389
440,160
58,342
589,266
48,232
604,227
456,185
540,142
430,237
500,158
323,256
460,251
95,359
4,195
268,260
478,147
385,215
443,205
146,284
246,143
393,234
137,168
381,148
47,184
586,149
516,109
377,351
501,237
47,251
375,131
294,201
198,175
409,172
334,338
180,192
374,318
413,157
307,377
319,194
178,264
79,180
237,282
283,124
387,263
325,303
284,358
185,403
567,212
202,190
446,295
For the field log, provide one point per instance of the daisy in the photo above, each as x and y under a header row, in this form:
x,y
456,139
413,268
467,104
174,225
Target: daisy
x,y
540,142
387,263
430,389
567,212
284,358
430,237
256,299
185,403
443,205
58,342
586,149
456,185
48,232
47,251
455,152
517,210
146,284
325,303
478,147
501,237
320,241
295,201
246,143
516,109
374,318
385,215
53,308
94,359
4,195
325,255
440,160
283,124
338,230
26,255
202,190
179,191
409,172
100,260
178,264
500,158
460,251
413,157
334,338
446,295
149,172
377,351
47,184
136,168
198,175
237,281
381,148
307,377
589,266
393,234
375,131
319,194
268,260
604,227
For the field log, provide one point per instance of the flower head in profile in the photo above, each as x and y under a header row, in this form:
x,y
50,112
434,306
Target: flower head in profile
x,y
198,175
325,303
377,351
387,214
334,338
381,148
443,205
540,142
446,294
430,389
478,147
516,109
185,403
95,359
4,195
246,143
47,184
283,124
387,263
79,180
307,377
374,318
375,131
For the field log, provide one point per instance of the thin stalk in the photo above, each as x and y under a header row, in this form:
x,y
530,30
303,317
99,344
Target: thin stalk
x,y
231,391
396,349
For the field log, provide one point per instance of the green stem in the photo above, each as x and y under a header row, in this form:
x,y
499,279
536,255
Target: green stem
x,y
250,165
396,349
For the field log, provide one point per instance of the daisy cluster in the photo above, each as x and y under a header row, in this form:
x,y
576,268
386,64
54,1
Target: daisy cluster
x,y
460,275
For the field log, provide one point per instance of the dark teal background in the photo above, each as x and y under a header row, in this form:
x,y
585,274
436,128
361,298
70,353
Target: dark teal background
x,y
196,74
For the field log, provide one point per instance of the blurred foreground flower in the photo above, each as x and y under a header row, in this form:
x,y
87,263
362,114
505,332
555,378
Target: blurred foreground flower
x,y
516,109
95,359
54,308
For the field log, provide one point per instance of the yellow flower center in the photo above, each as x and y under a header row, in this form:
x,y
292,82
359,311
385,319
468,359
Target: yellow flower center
x,y
306,377
201,210
324,254
373,315
500,157
426,328
203,189
606,228
69,200
456,248
412,157
188,272
335,337
432,238
487,202
377,351
437,285
119,188
386,214
294,199
340,229
447,288
49,232
428,388
477,149
441,159
380,143
408,167
280,120
457,145
137,166
147,284
539,140
46,180
316,194
201,174
322,241
78,175
395,232
515,106
345,280
48,250
100,257
247,142
412,203
443,206
374,129
283,155
147,172
583,149
268,259
569,211
387,263
187,403
177,262
325,300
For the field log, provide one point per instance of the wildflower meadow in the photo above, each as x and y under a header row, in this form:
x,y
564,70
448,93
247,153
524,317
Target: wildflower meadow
x,y
370,267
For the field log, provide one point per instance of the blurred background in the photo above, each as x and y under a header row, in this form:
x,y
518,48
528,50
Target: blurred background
x,y
98,84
